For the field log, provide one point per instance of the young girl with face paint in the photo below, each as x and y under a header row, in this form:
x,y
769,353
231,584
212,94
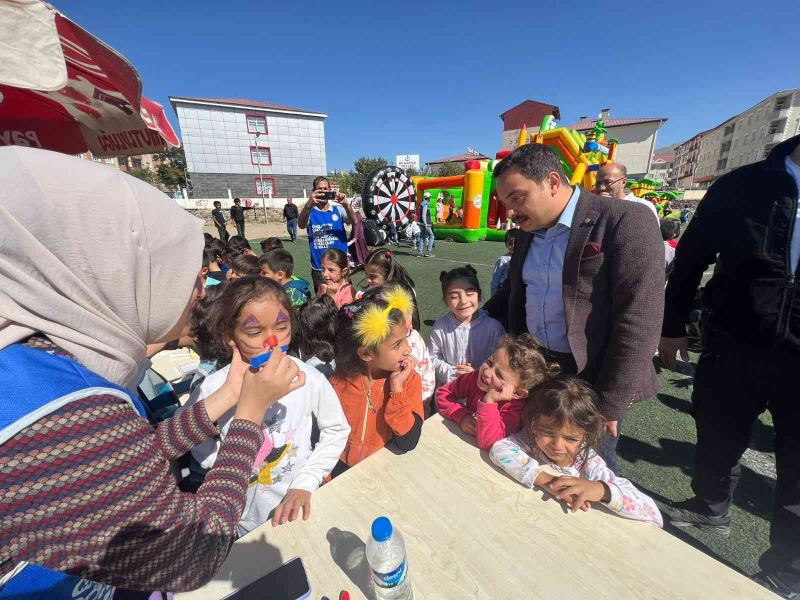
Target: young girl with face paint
x,y
254,318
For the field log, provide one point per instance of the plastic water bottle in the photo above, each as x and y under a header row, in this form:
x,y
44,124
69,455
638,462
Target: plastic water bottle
x,y
386,555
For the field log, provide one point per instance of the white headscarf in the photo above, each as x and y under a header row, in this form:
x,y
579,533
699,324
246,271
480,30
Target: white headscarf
x,y
98,261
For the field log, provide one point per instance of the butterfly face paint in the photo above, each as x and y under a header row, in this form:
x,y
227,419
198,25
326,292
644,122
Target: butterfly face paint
x,y
261,323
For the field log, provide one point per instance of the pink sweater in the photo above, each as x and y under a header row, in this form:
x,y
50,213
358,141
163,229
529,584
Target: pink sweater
x,y
494,420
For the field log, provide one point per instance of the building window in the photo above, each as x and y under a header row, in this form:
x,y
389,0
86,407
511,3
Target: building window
x,y
257,124
265,186
260,155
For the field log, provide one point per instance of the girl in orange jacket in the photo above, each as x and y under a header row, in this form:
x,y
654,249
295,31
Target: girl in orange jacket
x,y
380,392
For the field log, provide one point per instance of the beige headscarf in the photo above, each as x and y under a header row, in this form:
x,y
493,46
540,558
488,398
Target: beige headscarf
x,y
98,261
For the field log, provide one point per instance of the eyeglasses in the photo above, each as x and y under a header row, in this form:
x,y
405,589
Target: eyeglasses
x,y
605,184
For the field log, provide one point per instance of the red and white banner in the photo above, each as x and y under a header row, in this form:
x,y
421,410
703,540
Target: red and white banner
x,y
63,89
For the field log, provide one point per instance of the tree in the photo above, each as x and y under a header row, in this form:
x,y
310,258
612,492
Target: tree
x,y
412,172
361,168
343,179
171,172
450,168
170,176
143,174
174,156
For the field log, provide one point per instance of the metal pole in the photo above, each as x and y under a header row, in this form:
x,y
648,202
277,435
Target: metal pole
x,y
260,180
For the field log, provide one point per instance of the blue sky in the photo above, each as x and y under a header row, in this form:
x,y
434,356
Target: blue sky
x,y
431,78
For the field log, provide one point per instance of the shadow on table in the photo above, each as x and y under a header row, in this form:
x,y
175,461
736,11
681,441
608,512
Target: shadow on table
x,y
685,534
349,552
250,559
246,562
455,429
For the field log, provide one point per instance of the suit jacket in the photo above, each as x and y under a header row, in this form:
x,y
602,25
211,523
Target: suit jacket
x,y
613,288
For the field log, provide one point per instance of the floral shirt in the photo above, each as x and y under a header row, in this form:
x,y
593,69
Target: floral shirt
x,y
524,463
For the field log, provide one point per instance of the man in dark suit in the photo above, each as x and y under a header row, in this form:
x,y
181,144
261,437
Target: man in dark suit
x,y
586,279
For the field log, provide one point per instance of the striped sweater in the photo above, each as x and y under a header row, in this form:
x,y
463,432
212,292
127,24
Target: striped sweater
x,y
88,490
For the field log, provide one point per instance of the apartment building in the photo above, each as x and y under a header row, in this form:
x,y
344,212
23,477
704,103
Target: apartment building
x,y
743,139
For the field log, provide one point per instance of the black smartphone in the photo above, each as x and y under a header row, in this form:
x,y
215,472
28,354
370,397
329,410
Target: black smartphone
x,y
329,196
287,582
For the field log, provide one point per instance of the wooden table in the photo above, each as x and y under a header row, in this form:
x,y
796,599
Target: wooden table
x,y
473,532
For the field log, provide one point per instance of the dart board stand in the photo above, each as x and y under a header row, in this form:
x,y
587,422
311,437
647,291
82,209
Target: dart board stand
x,y
389,195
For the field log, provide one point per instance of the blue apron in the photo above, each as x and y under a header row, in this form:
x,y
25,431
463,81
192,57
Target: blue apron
x,y
34,384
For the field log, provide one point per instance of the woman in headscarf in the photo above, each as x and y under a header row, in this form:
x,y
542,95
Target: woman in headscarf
x,y
95,265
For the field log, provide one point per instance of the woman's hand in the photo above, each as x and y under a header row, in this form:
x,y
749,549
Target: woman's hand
x,y
578,492
289,509
263,387
397,380
226,397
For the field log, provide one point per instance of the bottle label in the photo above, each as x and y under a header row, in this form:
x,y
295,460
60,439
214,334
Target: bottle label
x,y
392,578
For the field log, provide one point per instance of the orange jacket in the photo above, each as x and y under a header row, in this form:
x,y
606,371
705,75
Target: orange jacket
x,y
373,423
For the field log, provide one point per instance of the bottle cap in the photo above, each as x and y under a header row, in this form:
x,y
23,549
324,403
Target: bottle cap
x,y
381,529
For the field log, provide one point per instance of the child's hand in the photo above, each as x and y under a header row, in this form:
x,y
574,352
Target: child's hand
x,y
468,424
577,492
289,508
464,368
504,394
263,387
397,380
322,289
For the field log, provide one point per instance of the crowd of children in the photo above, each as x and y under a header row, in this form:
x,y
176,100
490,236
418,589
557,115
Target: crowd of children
x,y
369,379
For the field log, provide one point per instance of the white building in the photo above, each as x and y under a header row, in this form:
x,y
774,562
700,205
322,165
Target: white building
x,y
661,167
747,137
636,136
228,141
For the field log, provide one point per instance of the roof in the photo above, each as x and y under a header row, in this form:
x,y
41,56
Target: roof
x,y
246,103
457,158
590,123
664,157
528,112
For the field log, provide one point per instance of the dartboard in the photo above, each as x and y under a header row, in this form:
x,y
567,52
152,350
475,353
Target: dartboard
x,y
389,195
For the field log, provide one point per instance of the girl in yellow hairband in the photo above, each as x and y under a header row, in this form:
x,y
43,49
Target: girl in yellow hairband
x,y
419,349
380,392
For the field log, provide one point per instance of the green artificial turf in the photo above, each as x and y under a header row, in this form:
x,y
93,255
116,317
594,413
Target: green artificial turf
x,y
656,450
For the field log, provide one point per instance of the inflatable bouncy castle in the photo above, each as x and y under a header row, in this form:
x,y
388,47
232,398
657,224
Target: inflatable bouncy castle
x,y
472,211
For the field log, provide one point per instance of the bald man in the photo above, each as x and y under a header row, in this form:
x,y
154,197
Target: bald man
x,y
611,180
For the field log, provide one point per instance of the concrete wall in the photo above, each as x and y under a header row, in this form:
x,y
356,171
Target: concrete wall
x,y
216,185
636,146
208,203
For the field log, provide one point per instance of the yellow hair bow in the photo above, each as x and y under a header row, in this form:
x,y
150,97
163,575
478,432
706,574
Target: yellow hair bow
x,y
372,325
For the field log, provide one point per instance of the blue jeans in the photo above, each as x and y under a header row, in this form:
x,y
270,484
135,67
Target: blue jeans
x,y
426,235
291,227
608,449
